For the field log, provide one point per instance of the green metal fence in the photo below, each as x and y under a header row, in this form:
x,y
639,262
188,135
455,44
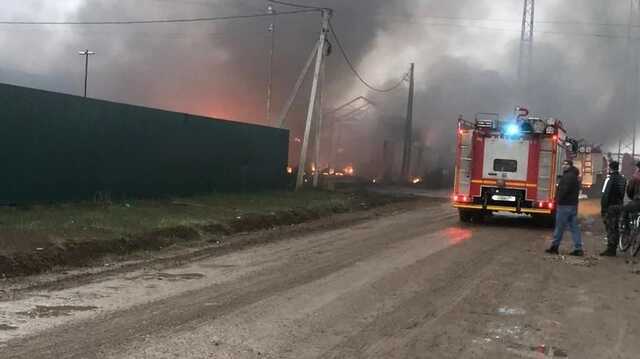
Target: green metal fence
x,y
61,147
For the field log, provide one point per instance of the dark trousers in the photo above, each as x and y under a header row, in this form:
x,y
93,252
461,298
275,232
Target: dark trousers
x,y
612,223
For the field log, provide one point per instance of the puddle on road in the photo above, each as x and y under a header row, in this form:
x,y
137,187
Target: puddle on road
x,y
44,311
169,277
7,327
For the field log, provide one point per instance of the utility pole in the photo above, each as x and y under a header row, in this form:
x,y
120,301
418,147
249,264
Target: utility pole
x,y
326,15
627,143
297,86
634,106
272,30
525,61
316,176
635,4
620,151
408,131
86,54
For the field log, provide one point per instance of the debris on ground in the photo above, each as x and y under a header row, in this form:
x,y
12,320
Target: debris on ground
x,y
511,311
586,261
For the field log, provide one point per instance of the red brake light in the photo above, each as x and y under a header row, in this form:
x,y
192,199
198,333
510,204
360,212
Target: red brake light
x,y
543,204
461,198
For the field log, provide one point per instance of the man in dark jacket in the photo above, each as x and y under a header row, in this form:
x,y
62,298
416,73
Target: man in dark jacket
x,y
611,207
567,209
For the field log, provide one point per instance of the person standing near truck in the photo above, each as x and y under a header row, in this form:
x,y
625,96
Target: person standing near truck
x,y
611,207
567,210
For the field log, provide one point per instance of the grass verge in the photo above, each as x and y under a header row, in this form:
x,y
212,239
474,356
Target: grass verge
x,y
38,238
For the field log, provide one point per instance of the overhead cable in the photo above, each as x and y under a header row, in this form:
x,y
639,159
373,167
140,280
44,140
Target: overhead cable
x,y
155,21
478,19
355,71
300,6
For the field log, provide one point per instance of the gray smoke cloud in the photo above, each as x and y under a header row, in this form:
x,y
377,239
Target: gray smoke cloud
x,y
581,71
220,69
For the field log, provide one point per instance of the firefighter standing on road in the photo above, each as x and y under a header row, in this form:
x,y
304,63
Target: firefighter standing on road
x,y
567,210
611,207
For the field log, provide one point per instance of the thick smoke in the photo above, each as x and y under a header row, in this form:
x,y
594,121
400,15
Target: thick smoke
x,y
220,69
582,73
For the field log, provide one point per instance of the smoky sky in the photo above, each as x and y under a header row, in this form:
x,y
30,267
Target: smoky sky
x,y
581,69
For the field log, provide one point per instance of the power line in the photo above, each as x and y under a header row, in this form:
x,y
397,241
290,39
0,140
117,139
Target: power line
x,y
296,5
198,36
156,21
355,71
536,31
551,22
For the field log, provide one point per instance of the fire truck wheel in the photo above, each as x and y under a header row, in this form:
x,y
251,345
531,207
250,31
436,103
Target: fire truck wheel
x,y
466,216
544,221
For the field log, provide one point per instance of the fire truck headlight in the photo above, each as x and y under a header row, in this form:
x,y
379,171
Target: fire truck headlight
x,y
512,129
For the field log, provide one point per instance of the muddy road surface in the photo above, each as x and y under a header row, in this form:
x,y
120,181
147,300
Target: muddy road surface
x,y
415,284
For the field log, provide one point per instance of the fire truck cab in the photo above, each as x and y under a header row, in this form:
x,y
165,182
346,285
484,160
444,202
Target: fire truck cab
x,y
508,165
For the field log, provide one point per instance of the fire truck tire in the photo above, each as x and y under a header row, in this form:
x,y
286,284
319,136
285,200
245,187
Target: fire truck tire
x,y
466,216
544,220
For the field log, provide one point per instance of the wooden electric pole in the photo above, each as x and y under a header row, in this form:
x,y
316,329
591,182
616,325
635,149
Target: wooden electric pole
x,y
408,131
326,15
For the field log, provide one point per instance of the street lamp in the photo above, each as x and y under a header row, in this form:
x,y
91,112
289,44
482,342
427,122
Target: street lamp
x,y
86,54
272,30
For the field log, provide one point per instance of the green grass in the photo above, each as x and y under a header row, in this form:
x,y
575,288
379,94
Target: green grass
x,y
91,220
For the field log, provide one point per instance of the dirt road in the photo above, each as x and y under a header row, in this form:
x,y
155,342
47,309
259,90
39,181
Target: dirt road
x,y
416,284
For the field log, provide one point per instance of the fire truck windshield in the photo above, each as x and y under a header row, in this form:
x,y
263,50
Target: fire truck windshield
x,y
502,165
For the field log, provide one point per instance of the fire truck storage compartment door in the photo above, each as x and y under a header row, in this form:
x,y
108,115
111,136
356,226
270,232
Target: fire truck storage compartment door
x,y
586,169
545,166
506,159
466,156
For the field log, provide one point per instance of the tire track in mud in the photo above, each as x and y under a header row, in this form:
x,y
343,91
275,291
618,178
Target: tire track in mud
x,y
225,246
187,311
418,325
454,281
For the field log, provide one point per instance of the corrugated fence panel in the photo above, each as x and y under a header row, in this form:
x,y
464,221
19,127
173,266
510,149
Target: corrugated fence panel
x,y
62,147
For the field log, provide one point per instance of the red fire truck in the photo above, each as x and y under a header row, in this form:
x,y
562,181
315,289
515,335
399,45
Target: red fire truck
x,y
508,165
589,160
